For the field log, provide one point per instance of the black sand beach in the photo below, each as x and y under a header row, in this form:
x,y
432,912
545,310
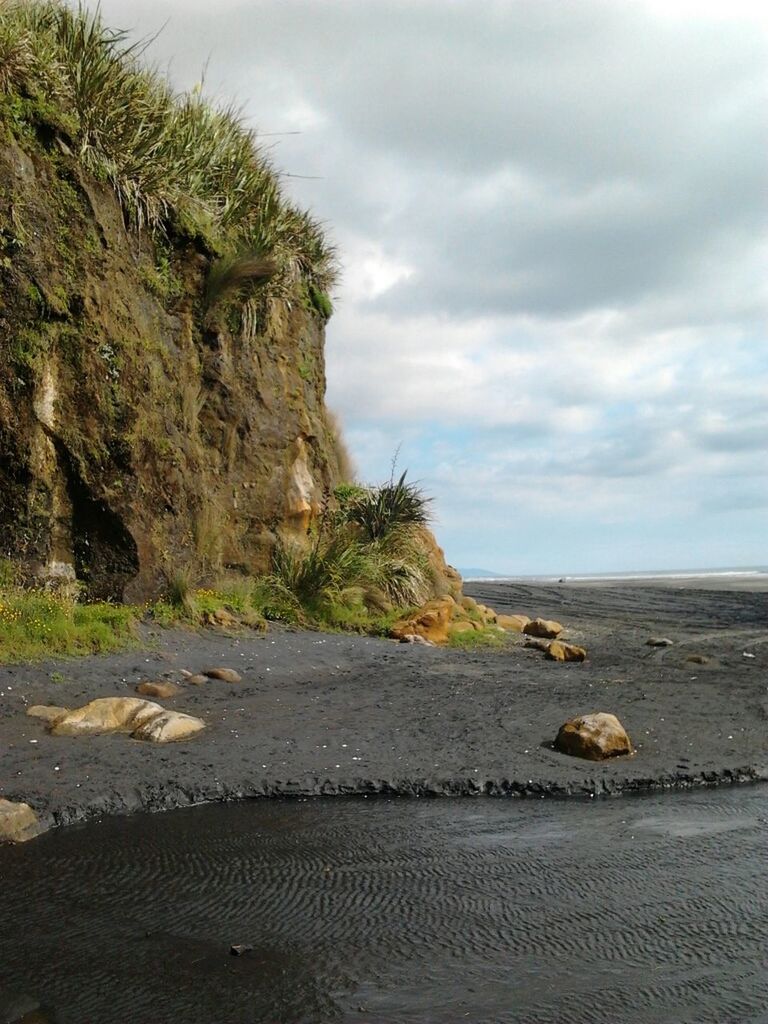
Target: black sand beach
x,y
320,714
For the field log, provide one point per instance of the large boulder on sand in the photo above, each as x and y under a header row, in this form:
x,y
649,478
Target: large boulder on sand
x,y
546,628
558,650
595,737
143,719
18,822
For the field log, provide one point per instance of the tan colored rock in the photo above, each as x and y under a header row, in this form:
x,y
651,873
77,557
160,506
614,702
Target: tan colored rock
x,y
596,737
462,626
18,822
197,679
46,712
431,621
168,727
469,604
513,623
538,645
161,688
546,628
143,719
558,650
106,714
698,659
488,614
227,675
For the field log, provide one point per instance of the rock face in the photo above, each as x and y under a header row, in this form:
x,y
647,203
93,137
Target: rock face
x,y
546,628
139,430
595,737
18,822
143,719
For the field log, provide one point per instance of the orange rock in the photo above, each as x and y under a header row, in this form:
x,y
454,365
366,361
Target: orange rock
x,y
514,623
560,651
430,622
546,628
596,737
227,675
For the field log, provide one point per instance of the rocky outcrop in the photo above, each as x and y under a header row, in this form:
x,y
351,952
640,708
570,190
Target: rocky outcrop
x,y
141,431
142,719
594,737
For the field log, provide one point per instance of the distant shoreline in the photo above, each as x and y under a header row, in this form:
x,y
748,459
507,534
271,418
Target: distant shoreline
x,y
715,579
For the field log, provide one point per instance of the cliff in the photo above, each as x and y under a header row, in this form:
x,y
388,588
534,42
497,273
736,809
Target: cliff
x,y
157,411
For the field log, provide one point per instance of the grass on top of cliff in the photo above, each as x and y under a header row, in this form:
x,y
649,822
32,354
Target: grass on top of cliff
x,y
177,163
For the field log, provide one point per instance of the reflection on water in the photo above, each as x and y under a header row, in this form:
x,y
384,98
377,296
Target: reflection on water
x,y
649,909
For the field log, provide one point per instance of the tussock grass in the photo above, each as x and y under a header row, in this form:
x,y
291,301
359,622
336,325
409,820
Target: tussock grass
x,y
382,510
177,163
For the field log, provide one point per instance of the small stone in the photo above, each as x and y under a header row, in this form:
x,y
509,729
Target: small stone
x,y
198,679
698,659
239,948
18,822
161,688
560,651
227,675
546,628
659,641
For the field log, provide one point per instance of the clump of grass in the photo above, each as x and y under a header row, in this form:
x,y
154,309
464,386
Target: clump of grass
x,y
36,624
177,163
396,505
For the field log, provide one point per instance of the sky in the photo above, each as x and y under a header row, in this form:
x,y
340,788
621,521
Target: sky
x,y
552,222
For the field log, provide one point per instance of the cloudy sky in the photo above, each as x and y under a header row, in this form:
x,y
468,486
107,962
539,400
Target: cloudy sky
x,y
552,220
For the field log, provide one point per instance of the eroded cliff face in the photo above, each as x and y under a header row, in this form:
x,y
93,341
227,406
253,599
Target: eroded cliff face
x,y
140,432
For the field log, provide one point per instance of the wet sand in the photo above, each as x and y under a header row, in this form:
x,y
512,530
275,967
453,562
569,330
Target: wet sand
x,y
320,714
395,912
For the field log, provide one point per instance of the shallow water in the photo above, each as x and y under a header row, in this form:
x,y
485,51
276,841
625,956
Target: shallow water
x,y
645,910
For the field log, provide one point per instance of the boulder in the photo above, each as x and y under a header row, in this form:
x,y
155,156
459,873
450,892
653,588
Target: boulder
x,y
596,737
167,727
18,822
143,719
659,641
227,675
546,628
414,638
558,650
161,688
106,714
538,645
46,712
514,623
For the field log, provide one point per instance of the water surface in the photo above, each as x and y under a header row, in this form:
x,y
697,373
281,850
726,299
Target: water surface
x,y
644,909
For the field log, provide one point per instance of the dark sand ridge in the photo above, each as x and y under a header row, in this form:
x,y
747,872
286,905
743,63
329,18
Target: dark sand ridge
x,y
320,714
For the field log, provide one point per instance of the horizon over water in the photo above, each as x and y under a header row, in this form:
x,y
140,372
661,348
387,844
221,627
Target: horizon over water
x,y
476,575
